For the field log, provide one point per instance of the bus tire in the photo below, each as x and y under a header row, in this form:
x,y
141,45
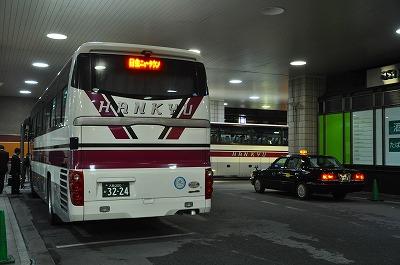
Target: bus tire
x,y
259,187
51,216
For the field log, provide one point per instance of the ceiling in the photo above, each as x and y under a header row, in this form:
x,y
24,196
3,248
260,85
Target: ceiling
x,y
236,40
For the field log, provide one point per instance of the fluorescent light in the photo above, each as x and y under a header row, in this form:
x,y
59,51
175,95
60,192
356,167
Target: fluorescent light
x,y
398,31
235,81
56,36
273,11
225,104
147,98
254,97
99,67
195,51
25,92
265,106
40,64
31,82
276,132
298,63
171,91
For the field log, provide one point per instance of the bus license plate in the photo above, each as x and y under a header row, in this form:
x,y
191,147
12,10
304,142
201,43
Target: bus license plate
x,y
120,189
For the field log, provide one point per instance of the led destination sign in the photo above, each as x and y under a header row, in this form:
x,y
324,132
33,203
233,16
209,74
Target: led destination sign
x,y
149,64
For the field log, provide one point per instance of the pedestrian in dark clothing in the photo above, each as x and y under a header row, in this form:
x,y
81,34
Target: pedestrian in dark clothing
x,y
26,164
15,171
3,166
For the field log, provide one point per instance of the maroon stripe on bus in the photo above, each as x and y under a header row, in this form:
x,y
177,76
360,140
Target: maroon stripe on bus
x,y
247,154
97,98
191,106
111,159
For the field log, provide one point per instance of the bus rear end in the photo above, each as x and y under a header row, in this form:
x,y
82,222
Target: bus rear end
x,y
142,135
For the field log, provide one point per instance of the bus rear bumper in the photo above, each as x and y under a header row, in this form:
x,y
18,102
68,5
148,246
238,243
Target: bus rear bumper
x,y
120,209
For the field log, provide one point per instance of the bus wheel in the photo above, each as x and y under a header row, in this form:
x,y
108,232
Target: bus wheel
x,y
52,217
258,186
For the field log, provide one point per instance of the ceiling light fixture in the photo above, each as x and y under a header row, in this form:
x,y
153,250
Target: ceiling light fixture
x,y
171,91
265,106
56,36
254,97
225,104
273,11
195,51
31,82
40,64
25,92
298,63
398,31
99,67
235,81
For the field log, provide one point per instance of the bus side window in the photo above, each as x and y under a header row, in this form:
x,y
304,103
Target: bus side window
x,y
53,116
63,103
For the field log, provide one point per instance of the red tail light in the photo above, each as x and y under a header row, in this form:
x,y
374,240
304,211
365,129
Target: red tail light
x,y
209,183
328,176
76,187
358,176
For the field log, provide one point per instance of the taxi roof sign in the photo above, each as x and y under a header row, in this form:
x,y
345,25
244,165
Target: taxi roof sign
x,y
303,152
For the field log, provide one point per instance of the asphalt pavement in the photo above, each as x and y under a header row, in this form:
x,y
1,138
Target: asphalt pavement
x,y
244,227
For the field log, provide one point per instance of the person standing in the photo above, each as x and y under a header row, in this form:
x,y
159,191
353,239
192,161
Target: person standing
x,y
3,166
15,171
26,164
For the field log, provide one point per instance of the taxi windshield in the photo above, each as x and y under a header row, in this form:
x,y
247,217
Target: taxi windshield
x,y
324,162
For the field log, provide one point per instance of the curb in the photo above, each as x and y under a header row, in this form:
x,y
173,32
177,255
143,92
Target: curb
x,y
19,240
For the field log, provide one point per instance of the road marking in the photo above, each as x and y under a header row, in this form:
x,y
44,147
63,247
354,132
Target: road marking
x,y
294,208
122,240
392,202
362,198
249,198
272,203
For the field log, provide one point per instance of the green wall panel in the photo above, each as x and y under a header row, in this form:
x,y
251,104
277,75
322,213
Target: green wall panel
x,y
334,136
321,136
347,138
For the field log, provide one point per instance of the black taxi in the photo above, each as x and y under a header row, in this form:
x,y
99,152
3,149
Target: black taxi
x,y
307,174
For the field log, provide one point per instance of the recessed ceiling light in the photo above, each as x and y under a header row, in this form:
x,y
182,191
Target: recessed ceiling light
x,y
398,31
25,92
31,82
171,91
298,63
99,67
276,132
254,97
225,104
265,106
235,81
273,11
40,64
195,51
56,36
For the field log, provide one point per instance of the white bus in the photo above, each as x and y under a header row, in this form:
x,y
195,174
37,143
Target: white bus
x,y
123,131
237,149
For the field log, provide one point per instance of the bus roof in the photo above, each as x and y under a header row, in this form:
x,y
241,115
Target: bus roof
x,y
250,124
137,48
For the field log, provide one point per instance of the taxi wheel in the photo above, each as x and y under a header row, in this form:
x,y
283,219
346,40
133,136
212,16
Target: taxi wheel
x,y
302,191
258,186
339,196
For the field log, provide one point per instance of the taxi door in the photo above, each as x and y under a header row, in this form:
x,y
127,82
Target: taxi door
x,y
275,173
290,173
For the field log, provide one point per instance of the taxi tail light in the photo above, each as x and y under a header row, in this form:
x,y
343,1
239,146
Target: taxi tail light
x,y
328,176
358,176
76,187
208,183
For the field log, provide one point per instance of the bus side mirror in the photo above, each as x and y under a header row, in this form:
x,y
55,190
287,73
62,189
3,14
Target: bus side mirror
x,y
73,143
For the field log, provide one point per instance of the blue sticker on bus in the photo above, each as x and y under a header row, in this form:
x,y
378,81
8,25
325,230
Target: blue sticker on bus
x,y
179,183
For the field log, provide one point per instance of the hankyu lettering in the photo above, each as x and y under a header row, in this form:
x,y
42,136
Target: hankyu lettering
x,y
140,107
122,108
104,106
156,109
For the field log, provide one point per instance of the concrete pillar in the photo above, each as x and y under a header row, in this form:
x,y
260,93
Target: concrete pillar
x,y
304,91
217,111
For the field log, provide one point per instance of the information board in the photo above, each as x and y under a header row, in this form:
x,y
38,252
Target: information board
x,y
363,137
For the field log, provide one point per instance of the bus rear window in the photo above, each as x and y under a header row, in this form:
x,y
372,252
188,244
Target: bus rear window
x,y
143,77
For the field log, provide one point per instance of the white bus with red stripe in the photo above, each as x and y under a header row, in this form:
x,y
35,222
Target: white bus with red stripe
x,y
123,131
237,149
